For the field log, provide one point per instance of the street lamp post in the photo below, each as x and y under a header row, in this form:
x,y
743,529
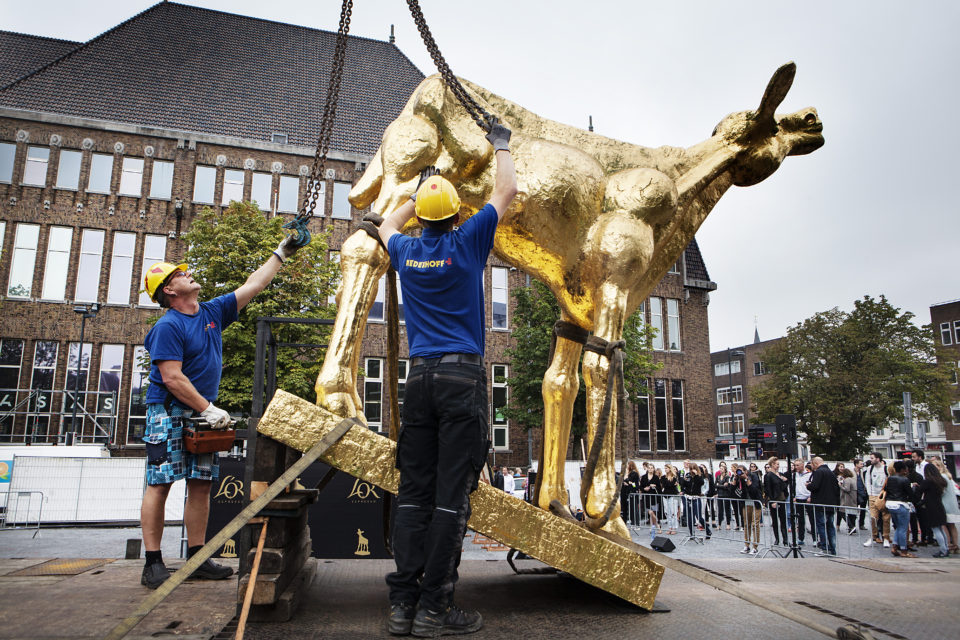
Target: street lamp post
x,y
85,312
733,426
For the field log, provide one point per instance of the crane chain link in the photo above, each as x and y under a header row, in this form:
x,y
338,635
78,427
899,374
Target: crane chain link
x,y
483,119
329,113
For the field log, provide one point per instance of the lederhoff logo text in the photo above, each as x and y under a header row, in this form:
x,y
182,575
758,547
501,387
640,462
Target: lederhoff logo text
x,y
423,264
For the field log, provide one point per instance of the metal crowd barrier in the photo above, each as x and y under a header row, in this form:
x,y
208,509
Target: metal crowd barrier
x,y
751,525
23,510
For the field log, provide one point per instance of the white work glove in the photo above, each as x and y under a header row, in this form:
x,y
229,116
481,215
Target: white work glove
x,y
217,418
286,249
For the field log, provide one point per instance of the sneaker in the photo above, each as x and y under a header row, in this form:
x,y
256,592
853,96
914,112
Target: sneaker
x,y
154,575
452,621
940,554
800,543
746,550
852,531
210,570
868,543
753,552
886,544
400,621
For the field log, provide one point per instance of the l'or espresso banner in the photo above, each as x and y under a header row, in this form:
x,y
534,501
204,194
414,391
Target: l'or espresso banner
x,y
345,522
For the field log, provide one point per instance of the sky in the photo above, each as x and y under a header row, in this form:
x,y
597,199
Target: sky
x,y
870,213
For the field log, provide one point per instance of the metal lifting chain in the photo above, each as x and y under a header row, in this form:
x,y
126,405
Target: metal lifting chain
x,y
483,119
309,203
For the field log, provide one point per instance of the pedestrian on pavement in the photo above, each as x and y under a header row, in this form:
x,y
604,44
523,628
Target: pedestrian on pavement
x,y
931,494
629,506
186,359
508,483
692,485
861,492
950,506
874,477
848,499
801,494
825,497
709,492
724,483
443,438
669,489
648,485
900,497
775,488
753,504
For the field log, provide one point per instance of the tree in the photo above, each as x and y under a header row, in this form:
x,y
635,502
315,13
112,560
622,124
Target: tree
x,y
224,249
843,375
536,312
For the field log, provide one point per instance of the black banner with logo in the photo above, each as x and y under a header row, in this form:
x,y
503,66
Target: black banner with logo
x,y
345,522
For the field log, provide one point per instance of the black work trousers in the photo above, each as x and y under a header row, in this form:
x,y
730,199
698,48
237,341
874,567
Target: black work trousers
x,y
440,451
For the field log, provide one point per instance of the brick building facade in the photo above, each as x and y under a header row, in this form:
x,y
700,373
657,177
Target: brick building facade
x,y
108,149
945,318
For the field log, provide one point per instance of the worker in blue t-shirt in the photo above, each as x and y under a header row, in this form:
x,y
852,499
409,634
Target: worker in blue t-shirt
x,y
443,441
186,358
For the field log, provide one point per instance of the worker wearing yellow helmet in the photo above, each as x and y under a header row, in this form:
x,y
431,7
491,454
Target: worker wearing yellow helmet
x,y
186,359
441,273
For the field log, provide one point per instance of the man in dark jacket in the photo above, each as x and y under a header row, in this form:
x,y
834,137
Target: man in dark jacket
x,y
824,497
497,478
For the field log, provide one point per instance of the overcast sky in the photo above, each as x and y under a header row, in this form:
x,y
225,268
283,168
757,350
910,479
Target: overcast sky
x,y
867,214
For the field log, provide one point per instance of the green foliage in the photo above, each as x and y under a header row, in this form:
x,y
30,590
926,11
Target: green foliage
x,y
536,313
843,375
224,249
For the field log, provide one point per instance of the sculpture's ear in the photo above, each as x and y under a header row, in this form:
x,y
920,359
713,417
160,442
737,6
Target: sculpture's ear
x,y
776,91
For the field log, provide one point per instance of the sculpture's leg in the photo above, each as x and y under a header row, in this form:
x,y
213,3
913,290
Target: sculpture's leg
x,y
610,314
560,386
362,262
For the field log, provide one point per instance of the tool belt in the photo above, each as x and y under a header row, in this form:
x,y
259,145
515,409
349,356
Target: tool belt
x,y
198,436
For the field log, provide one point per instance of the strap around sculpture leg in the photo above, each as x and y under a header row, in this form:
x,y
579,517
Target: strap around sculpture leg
x,y
371,223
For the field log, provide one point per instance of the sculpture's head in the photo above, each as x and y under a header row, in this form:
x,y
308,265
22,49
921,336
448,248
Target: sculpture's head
x,y
761,139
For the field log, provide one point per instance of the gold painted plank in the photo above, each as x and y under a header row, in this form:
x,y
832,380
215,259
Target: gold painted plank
x,y
615,567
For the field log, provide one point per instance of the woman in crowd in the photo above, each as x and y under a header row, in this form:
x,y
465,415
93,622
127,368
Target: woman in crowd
x,y
649,484
724,484
775,488
750,488
670,489
709,491
838,474
692,484
950,506
629,509
736,491
899,498
848,499
931,497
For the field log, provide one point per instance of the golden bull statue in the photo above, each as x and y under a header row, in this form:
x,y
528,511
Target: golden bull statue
x,y
597,220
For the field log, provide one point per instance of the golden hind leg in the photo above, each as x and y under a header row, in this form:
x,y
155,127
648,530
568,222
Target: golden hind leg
x,y
610,315
560,386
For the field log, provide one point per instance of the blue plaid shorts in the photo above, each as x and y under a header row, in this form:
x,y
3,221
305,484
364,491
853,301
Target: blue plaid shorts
x,y
167,460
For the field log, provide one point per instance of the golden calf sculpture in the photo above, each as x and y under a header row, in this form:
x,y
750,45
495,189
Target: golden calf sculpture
x,y
597,220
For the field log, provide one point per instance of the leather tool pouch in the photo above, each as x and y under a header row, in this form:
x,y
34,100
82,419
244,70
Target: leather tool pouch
x,y
199,438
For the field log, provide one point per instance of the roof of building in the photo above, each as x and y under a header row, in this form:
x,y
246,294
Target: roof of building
x,y
186,68
21,53
696,268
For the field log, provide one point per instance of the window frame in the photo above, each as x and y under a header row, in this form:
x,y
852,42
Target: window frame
x,y
96,160
49,266
257,184
18,247
231,186
677,410
499,424
69,375
642,408
83,296
656,322
40,406
31,165
673,325
6,403
146,260
379,299
501,292
341,192
124,277
67,171
370,382
946,335
282,193
131,173
8,159
159,177
724,395
102,408
205,178
661,418
139,380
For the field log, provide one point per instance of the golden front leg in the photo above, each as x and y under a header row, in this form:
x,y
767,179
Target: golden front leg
x,y
362,262
560,386
596,369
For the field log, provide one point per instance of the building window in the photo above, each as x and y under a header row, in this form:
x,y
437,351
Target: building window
x,y
401,316
376,310
137,415
373,393
501,429
121,268
341,205
232,186
723,424
24,260
261,190
289,197
88,270
35,171
679,426
643,423
131,177
161,183
725,369
76,357
101,173
953,372
68,170
7,153
676,266
204,184
955,412
402,367
154,250
656,322
660,412
498,297
278,138
11,357
759,369
57,264
946,336
673,323
724,395
108,396
956,331
40,405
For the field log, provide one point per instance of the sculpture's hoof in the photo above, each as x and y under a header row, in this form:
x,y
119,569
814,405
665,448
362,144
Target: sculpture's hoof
x,y
617,527
339,404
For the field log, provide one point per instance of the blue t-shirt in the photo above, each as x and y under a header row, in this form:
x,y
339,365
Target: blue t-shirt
x,y
442,278
195,341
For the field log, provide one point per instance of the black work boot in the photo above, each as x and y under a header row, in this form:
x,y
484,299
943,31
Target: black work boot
x,y
401,619
451,622
154,575
210,570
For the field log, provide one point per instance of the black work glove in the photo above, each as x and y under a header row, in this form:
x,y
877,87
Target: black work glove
x,y
426,173
499,137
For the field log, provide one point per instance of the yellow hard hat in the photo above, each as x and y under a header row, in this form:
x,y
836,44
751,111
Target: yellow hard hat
x,y
437,199
157,274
